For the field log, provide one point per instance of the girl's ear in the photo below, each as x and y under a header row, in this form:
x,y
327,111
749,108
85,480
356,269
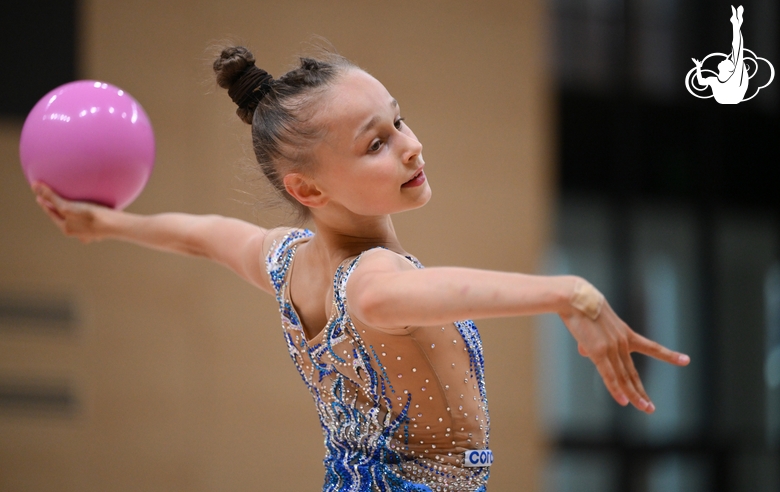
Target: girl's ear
x,y
303,189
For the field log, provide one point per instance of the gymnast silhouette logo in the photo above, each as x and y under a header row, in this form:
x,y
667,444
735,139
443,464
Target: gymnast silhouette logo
x,y
735,70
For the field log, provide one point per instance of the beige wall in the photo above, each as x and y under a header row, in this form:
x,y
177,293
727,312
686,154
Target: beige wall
x,y
179,368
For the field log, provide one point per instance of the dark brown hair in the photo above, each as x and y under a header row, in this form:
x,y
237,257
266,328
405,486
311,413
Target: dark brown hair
x,y
279,110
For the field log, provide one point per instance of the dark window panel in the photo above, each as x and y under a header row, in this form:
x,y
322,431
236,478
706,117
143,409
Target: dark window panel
x,y
38,43
673,154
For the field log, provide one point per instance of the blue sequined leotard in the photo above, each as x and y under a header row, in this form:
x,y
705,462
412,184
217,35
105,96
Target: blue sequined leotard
x,y
397,410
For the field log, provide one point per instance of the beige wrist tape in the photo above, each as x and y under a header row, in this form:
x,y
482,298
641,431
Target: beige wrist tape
x,y
587,299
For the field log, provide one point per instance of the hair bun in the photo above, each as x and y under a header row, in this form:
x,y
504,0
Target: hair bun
x,y
246,84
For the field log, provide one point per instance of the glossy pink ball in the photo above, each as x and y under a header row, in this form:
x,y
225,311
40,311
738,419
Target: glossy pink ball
x,y
89,141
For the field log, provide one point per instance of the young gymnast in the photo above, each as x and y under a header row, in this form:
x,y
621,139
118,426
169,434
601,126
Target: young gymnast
x,y
396,377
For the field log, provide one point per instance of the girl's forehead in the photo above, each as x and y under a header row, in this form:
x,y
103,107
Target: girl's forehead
x,y
354,99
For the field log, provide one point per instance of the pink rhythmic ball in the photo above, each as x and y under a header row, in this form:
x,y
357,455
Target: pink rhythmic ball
x,y
89,141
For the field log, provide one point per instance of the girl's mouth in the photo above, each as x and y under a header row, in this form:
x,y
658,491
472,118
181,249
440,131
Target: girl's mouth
x,y
416,180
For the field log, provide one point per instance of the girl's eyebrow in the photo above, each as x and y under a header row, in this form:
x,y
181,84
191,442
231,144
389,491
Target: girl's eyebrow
x,y
373,121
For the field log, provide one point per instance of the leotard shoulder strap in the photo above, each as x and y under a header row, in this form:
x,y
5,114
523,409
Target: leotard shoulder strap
x,y
280,256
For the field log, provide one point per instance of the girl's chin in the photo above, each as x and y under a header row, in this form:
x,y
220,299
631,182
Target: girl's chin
x,y
409,203
423,198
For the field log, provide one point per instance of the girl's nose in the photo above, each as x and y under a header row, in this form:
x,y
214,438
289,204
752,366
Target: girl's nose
x,y
412,150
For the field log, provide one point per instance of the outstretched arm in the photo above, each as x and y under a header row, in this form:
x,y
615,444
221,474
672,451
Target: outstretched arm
x,y
387,293
236,244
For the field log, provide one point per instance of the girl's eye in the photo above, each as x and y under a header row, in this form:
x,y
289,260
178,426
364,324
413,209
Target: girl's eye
x,y
377,144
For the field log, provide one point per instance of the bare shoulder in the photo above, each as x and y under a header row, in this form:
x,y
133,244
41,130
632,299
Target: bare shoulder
x,y
374,272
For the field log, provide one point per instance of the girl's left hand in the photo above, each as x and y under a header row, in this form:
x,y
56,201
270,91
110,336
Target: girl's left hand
x,y
609,342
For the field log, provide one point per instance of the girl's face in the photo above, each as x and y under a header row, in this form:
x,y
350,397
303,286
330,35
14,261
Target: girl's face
x,y
369,162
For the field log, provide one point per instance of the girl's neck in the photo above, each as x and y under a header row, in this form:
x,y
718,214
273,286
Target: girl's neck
x,y
337,240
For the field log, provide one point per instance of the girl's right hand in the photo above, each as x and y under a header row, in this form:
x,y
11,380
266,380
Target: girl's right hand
x,y
75,219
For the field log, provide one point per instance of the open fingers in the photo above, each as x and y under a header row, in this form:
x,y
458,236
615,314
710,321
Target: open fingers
x,y
620,376
624,379
632,384
611,382
653,349
623,383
